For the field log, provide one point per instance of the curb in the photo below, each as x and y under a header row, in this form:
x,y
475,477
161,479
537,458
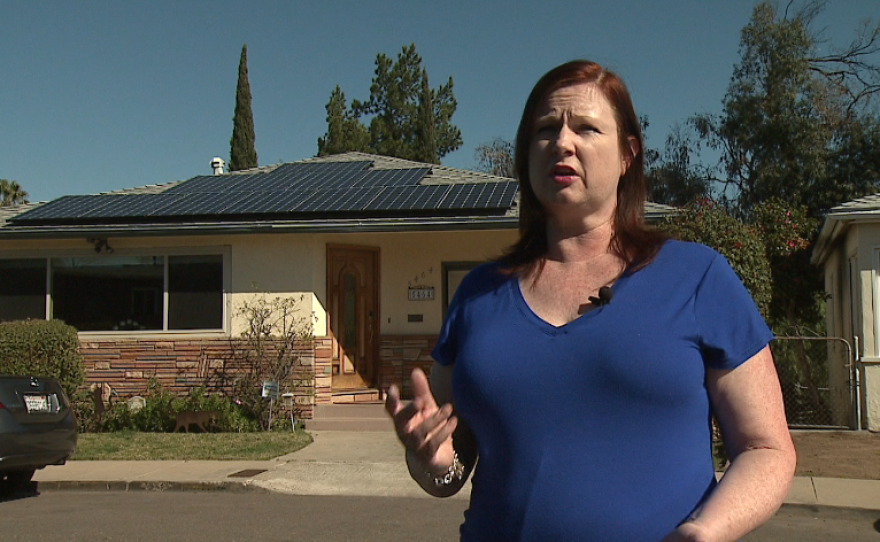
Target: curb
x,y
232,487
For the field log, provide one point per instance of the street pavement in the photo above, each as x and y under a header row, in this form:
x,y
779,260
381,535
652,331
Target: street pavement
x,y
347,463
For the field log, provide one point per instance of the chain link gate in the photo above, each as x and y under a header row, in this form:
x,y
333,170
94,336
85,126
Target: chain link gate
x,y
819,382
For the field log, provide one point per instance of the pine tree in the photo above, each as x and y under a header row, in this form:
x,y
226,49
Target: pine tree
x,y
242,153
344,132
408,119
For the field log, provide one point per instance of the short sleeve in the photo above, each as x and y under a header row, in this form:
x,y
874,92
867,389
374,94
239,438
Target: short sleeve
x,y
447,342
732,329
481,279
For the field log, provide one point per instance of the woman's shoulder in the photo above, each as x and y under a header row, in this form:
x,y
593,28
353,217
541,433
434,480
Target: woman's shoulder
x,y
481,279
486,274
687,252
684,257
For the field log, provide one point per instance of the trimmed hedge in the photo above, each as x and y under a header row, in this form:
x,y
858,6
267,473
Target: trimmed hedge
x,y
48,348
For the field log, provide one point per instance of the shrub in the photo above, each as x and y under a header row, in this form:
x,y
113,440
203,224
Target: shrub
x,y
48,348
274,347
159,414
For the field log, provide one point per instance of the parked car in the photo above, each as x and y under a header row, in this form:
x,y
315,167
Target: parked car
x,y
37,428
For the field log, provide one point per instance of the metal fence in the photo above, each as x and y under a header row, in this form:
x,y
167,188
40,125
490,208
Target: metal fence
x,y
819,382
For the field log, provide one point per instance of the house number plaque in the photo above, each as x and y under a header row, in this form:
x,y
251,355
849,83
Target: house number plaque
x,y
424,293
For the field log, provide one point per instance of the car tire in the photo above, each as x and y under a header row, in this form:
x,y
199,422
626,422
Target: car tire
x,y
18,479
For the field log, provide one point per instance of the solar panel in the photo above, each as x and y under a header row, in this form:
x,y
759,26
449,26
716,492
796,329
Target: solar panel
x,y
200,204
480,196
299,176
133,205
268,202
310,187
65,208
393,177
409,197
350,199
207,183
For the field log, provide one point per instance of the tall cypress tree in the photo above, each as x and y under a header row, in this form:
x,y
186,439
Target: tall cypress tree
x,y
242,153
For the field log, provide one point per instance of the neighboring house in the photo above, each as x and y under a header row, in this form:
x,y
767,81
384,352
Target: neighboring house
x,y
848,250
152,276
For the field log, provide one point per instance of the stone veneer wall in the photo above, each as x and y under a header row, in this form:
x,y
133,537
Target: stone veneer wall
x,y
323,369
127,366
400,354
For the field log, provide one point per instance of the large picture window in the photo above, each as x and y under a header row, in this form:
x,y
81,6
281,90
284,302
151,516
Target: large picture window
x,y
22,289
117,292
109,293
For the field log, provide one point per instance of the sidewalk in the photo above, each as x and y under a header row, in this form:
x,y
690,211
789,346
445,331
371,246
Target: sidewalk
x,y
347,463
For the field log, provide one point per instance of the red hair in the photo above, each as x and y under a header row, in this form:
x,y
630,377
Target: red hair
x,y
632,241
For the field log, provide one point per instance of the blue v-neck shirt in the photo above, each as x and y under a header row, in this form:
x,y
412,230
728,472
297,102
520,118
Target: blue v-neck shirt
x,y
597,429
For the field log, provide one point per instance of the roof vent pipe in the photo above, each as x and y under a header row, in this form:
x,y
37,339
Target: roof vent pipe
x,y
217,164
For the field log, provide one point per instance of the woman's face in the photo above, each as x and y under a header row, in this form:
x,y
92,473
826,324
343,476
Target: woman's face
x,y
575,161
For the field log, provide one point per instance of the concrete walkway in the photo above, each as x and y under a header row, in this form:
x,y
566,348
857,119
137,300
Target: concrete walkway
x,y
347,463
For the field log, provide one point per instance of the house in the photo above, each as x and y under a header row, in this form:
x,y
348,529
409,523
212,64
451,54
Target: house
x,y
848,250
152,277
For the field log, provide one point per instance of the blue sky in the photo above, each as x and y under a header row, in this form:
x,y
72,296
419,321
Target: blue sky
x,y
104,95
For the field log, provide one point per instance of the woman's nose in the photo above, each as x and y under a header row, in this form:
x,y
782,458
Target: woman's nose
x,y
564,142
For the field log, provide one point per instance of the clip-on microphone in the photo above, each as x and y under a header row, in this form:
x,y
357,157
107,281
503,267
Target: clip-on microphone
x,y
605,295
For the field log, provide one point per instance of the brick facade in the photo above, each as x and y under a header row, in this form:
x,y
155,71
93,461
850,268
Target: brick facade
x,y
178,366
127,366
399,355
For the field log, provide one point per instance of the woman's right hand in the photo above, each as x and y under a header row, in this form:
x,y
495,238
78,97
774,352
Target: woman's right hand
x,y
424,428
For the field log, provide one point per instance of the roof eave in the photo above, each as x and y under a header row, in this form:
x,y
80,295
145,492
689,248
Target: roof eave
x,y
835,226
235,228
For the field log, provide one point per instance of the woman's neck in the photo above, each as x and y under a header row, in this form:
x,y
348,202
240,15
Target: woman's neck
x,y
578,244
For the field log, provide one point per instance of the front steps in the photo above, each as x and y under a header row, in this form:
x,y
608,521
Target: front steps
x,y
353,416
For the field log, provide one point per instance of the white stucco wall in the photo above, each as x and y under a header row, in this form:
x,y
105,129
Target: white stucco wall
x,y
867,238
294,265
415,258
861,242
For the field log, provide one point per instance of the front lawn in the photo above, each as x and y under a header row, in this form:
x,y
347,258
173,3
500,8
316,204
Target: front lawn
x,y
133,445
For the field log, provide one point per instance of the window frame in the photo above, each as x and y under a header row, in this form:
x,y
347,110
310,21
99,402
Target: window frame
x,y
446,267
224,251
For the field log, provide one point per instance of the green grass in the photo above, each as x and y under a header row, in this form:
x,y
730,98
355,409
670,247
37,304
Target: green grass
x,y
131,445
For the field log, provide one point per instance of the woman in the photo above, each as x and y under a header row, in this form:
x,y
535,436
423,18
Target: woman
x,y
583,365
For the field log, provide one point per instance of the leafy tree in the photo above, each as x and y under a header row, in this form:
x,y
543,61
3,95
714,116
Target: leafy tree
x,y
496,157
789,113
11,193
242,153
797,127
672,177
786,231
408,119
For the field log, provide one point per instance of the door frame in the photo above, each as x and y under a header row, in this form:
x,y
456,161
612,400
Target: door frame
x,y
377,319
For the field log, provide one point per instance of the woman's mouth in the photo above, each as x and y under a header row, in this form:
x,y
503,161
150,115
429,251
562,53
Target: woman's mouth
x,y
563,174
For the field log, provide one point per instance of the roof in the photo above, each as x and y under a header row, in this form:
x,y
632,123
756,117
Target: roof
x,y
838,220
330,193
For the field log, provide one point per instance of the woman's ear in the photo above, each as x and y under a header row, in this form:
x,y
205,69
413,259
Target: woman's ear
x,y
628,158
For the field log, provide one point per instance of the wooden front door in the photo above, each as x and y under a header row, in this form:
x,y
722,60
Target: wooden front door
x,y
353,294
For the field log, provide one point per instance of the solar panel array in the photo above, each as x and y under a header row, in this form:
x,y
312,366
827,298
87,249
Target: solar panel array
x,y
312,188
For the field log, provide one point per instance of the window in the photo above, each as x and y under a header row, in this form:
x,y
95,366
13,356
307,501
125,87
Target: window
x,y
195,292
453,273
118,292
108,293
22,289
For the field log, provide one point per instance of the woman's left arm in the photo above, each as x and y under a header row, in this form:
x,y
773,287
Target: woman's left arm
x,y
747,402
